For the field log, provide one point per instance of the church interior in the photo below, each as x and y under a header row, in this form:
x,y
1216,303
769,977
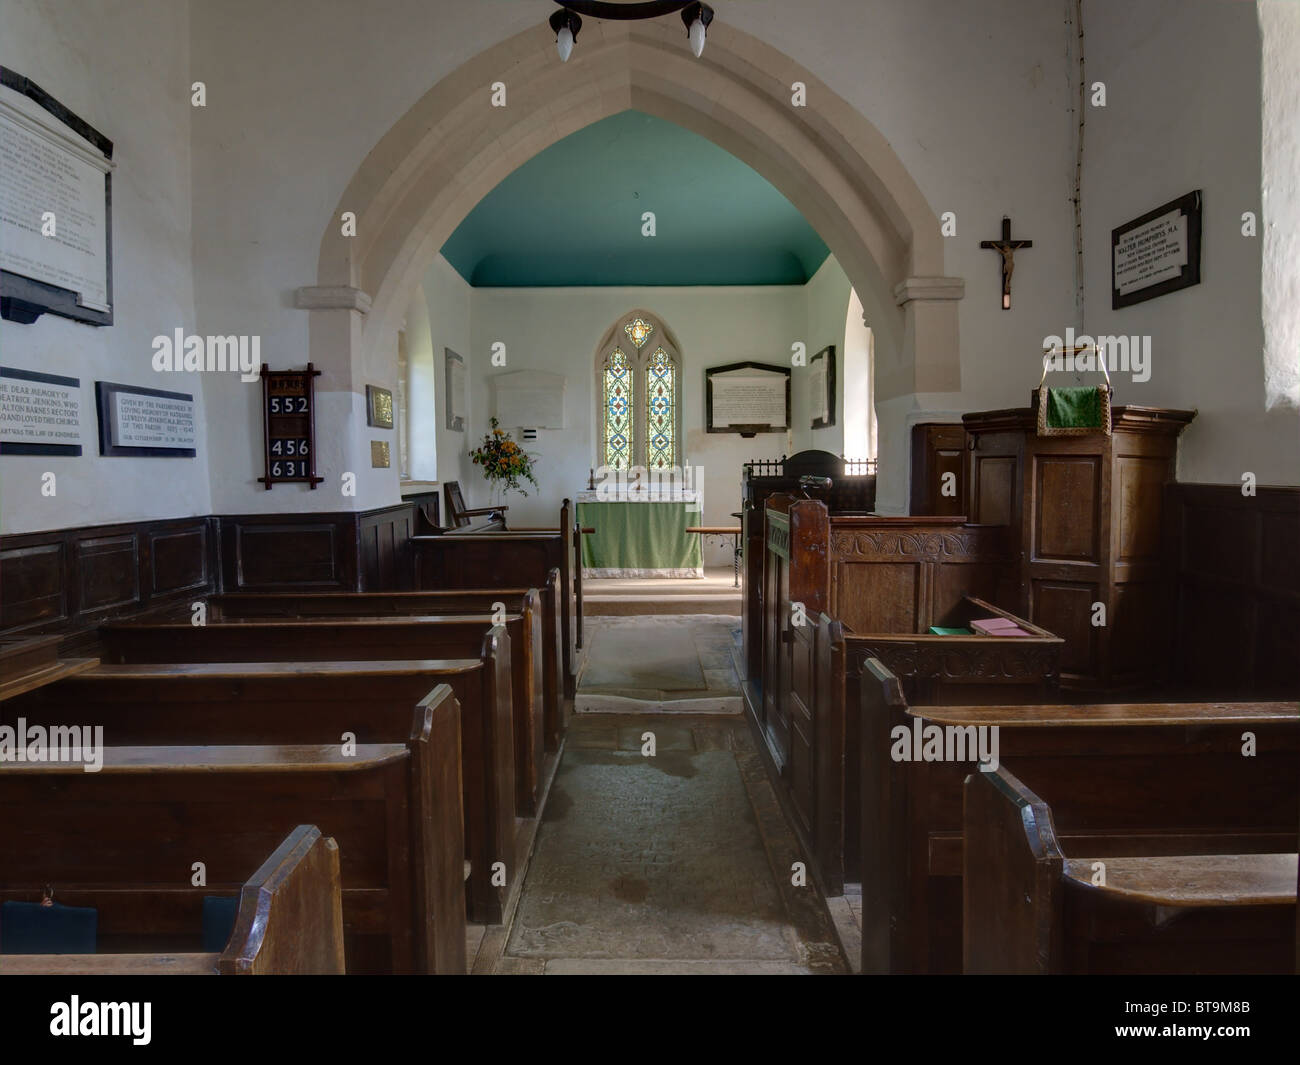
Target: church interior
x,y
640,487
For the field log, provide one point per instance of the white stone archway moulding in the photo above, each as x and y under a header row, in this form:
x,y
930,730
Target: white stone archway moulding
x,y
452,147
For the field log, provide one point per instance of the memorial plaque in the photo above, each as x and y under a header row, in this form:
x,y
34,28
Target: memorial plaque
x,y
1157,253
747,398
145,422
40,413
821,388
455,391
55,199
379,407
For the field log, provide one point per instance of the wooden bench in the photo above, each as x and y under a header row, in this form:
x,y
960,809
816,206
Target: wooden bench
x,y
289,922
1028,907
508,560
932,669
141,822
276,702
481,686
534,659
1137,779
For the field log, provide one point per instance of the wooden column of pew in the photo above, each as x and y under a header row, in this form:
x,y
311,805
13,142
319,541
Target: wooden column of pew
x,y
1031,907
139,823
289,922
1134,779
462,562
533,678
295,703
480,683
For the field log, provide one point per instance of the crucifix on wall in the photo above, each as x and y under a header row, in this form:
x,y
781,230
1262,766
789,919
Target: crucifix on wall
x,y
1007,248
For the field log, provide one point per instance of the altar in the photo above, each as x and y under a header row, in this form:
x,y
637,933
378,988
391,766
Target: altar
x,y
641,533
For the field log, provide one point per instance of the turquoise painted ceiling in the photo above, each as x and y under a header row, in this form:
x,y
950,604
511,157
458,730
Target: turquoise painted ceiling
x,y
572,216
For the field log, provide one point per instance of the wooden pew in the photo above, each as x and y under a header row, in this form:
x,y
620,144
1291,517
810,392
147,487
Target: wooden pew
x,y
289,922
1029,907
931,669
142,820
885,581
276,702
504,560
1136,779
533,678
481,686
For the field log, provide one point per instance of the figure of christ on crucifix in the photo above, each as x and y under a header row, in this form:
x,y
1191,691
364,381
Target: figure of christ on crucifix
x,y
1007,248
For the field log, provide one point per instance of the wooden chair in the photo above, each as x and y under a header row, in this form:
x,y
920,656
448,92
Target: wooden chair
x,y
459,515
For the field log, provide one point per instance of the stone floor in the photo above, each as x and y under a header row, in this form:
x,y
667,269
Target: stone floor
x,y
714,593
661,662
678,861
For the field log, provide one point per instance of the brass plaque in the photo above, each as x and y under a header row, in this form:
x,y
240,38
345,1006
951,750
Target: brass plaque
x,y
379,455
379,407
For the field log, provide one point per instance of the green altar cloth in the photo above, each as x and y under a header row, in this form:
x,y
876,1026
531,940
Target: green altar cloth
x,y
641,540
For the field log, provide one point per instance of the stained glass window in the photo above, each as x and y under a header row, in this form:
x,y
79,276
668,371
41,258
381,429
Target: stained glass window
x,y
661,411
618,411
638,331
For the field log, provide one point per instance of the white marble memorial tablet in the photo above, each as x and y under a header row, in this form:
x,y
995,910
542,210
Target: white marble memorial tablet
x,y
145,421
40,413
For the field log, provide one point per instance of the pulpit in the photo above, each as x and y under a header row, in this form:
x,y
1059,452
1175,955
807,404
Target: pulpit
x,y
1086,525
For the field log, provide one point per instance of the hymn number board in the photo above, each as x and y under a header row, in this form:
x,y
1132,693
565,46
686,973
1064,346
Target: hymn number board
x,y
289,402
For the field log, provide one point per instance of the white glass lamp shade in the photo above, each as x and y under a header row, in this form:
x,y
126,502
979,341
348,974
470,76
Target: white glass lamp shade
x,y
696,35
564,43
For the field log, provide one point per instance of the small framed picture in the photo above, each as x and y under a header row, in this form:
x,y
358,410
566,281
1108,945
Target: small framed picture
x,y
379,407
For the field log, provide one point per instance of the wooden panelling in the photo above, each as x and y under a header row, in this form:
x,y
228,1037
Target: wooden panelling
x,y
883,598
386,561
937,451
1141,484
1066,609
179,560
995,490
1238,589
66,581
33,593
1087,523
1066,533
108,571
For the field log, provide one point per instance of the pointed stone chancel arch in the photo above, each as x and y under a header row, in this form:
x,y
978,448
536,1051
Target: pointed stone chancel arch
x,y
452,147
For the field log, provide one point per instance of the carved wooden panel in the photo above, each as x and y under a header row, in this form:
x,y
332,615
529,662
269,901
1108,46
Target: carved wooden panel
x,y
1066,519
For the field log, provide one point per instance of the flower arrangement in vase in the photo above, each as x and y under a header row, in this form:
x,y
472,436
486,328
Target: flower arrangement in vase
x,y
504,463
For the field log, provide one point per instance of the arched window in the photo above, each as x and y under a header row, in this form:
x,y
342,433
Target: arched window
x,y
633,431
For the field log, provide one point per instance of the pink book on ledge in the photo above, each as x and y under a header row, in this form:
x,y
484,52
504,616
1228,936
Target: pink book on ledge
x,y
998,627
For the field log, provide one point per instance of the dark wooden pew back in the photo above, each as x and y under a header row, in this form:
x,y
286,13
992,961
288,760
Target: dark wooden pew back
x,y
136,828
293,703
1143,778
1031,907
537,704
483,691
289,922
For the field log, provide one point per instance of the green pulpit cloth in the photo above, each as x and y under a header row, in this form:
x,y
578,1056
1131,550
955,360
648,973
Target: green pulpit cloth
x,y
1073,408
641,540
